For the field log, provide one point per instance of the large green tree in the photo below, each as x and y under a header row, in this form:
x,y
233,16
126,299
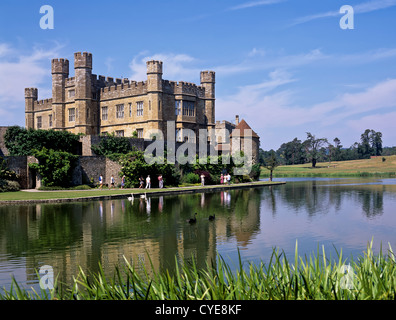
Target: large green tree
x,y
21,142
313,147
55,167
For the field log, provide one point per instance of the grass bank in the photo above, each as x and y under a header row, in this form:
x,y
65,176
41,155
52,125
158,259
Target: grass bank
x,y
373,167
93,194
370,277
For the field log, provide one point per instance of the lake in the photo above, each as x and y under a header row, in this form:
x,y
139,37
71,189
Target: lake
x,y
335,213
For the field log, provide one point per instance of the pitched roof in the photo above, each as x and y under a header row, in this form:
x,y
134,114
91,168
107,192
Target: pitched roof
x,y
242,126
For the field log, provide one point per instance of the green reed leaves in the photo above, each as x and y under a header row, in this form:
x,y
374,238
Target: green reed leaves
x,y
316,277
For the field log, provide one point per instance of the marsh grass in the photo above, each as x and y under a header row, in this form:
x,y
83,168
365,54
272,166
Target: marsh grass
x,y
316,277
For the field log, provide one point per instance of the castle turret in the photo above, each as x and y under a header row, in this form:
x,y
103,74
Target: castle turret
x,y
208,82
154,92
85,109
31,95
154,76
60,71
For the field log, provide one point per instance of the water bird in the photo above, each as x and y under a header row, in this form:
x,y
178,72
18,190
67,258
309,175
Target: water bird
x,y
193,220
211,218
131,198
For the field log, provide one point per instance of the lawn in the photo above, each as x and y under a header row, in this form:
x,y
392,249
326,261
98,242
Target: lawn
x,y
75,194
374,167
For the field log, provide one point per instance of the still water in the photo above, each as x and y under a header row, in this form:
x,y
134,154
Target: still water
x,y
335,213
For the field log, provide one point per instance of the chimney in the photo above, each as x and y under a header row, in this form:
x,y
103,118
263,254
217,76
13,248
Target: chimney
x,y
236,120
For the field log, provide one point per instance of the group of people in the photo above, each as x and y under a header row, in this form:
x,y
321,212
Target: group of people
x,y
226,178
141,182
112,182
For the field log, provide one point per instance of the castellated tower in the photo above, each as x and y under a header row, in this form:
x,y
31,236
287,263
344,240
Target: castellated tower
x,y
208,82
60,72
31,95
154,92
84,106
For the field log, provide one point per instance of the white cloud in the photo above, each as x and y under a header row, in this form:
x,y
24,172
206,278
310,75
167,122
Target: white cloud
x,y
255,4
175,66
258,59
270,110
19,71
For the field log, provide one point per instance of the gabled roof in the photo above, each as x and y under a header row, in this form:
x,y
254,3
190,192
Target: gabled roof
x,y
242,126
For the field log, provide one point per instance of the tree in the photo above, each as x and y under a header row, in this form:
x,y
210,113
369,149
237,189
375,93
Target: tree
x,y
111,144
376,142
370,144
21,142
293,152
270,163
134,166
55,167
313,147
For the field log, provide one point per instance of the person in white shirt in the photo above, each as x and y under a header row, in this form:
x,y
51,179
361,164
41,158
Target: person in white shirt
x,y
148,182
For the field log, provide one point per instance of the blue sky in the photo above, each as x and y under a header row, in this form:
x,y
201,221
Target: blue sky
x,y
285,66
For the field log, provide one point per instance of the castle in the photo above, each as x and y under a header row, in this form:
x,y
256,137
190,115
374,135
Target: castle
x,y
94,105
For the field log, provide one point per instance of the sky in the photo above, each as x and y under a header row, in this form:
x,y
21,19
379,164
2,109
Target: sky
x,y
287,67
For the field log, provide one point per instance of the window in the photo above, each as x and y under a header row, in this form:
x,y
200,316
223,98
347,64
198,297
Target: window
x,y
72,93
104,113
72,114
188,108
130,110
178,108
120,111
139,133
119,133
139,108
39,122
50,120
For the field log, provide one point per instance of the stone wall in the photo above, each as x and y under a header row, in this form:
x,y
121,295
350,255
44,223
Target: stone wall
x,y
3,149
87,171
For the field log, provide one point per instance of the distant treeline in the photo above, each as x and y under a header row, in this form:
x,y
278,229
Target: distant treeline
x,y
314,149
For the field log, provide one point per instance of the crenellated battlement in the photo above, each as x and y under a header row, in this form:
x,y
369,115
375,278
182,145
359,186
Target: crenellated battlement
x,y
31,93
82,60
154,66
70,82
183,87
208,76
125,89
42,104
60,66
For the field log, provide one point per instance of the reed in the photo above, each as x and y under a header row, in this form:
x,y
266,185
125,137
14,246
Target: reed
x,y
314,277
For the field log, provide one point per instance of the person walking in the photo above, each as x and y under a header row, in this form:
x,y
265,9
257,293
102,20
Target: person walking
x,y
141,182
112,182
148,182
202,180
228,178
160,181
100,182
221,179
122,182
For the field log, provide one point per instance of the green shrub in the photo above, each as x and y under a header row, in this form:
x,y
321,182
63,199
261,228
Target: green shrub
x,y
55,167
8,186
191,177
111,144
21,142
